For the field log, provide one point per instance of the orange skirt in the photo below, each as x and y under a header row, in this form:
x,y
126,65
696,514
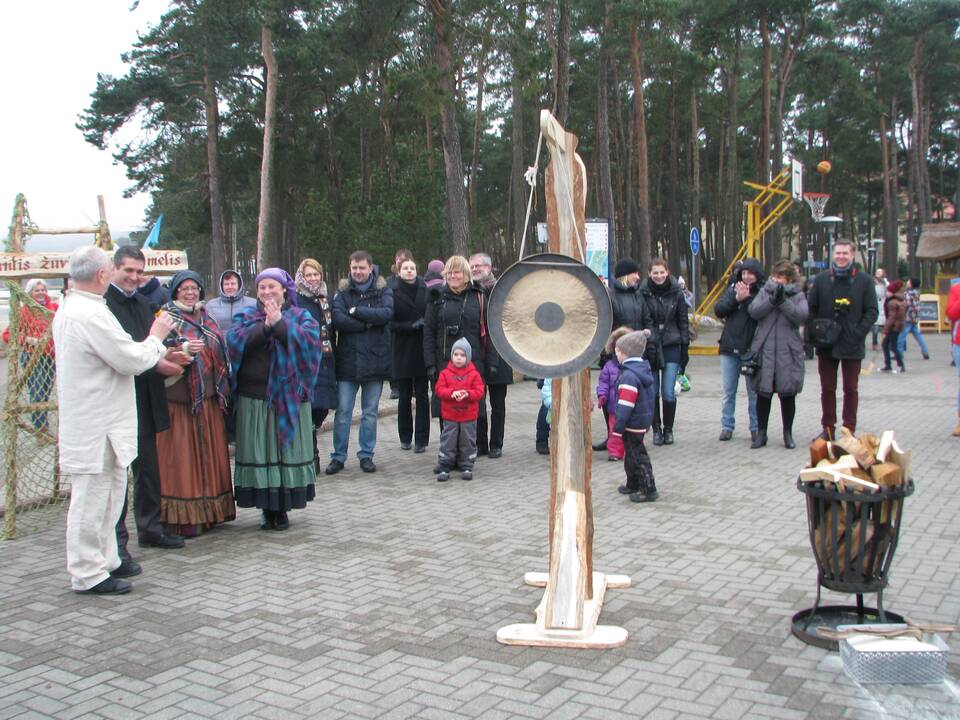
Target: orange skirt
x,y
196,490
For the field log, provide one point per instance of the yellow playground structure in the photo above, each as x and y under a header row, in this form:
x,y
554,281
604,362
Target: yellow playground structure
x,y
770,204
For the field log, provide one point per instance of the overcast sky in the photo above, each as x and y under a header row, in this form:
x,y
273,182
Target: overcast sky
x,y
50,54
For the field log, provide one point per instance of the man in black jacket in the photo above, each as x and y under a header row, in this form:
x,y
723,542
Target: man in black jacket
x,y
844,298
362,310
132,310
738,329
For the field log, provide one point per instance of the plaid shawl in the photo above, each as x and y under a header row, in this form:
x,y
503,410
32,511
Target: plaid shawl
x,y
293,367
211,360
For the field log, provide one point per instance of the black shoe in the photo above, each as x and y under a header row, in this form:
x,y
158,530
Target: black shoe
x,y
644,497
886,368
268,520
366,464
334,467
600,446
127,568
753,435
667,437
394,394
760,440
788,442
543,449
625,490
657,436
901,369
482,451
406,445
166,541
467,474
282,521
495,453
726,434
443,476
110,586
926,357
420,449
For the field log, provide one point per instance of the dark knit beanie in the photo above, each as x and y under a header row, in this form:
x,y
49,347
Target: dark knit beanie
x,y
625,266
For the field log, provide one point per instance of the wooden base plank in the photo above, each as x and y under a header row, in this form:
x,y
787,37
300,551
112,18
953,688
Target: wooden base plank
x,y
539,579
601,638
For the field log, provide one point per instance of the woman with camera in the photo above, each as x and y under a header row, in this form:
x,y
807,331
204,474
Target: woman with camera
x,y
457,310
780,308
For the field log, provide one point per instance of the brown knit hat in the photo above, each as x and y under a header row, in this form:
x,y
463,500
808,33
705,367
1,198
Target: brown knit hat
x,y
614,336
633,344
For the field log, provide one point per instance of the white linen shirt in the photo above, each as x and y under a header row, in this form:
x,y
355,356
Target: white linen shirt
x,y
96,362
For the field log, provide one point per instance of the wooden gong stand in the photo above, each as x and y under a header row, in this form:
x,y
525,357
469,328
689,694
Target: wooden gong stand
x,y
569,612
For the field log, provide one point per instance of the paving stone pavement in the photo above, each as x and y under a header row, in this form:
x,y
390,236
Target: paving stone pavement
x,y
384,597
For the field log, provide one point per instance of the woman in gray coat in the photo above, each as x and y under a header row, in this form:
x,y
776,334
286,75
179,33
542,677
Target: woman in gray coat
x,y
780,308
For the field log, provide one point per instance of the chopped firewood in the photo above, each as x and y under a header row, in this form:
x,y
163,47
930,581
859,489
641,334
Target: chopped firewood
x,y
864,454
818,452
886,474
890,451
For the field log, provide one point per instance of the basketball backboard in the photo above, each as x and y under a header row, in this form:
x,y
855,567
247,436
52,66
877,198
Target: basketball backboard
x,y
796,179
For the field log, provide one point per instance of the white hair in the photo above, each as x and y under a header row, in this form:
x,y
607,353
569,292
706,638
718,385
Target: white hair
x,y
484,258
31,284
85,262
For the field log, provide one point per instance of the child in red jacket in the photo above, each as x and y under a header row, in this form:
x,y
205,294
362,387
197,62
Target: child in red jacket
x,y
460,389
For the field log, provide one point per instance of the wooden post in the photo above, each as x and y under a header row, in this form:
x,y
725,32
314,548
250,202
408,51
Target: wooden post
x,y
573,596
10,420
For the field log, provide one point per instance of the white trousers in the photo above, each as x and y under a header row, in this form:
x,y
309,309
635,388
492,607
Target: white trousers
x,y
95,505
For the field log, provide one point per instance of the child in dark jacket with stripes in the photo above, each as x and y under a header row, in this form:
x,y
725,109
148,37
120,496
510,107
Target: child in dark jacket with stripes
x,y
634,414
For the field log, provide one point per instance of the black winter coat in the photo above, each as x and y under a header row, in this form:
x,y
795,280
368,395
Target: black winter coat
x,y
135,317
325,388
665,315
856,316
409,308
450,317
363,338
738,326
628,308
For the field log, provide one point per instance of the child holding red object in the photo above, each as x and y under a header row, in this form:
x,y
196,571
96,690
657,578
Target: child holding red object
x,y
460,389
607,392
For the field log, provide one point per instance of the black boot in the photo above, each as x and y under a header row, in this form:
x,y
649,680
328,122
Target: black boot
x,y
669,413
268,520
647,492
657,428
760,440
788,442
602,445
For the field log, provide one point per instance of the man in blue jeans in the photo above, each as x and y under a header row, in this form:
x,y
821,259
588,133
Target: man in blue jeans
x,y
362,311
911,327
738,330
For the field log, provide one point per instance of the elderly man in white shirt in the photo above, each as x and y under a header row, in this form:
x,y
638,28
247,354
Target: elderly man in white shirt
x,y
96,362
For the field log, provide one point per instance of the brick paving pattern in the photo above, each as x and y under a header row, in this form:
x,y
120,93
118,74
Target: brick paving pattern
x,y
384,597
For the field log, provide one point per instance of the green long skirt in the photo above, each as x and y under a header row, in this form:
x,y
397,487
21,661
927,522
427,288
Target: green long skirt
x,y
266,476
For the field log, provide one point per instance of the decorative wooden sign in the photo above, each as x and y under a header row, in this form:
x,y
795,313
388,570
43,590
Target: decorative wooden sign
x,y
54,264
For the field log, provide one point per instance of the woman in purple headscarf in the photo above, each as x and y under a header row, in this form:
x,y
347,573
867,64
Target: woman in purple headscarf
x,y
274,352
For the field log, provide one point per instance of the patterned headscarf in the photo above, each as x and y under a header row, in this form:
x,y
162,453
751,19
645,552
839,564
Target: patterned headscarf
x,y
293,365
211,360
282,277
303,287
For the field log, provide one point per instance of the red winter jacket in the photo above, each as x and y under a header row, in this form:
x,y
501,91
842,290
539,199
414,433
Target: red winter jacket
x,y
452,379
953,311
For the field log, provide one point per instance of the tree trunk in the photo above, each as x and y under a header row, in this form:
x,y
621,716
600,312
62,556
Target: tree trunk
x,y
605,196
563,63
732,209
673,233
264,251
518,187
458,222
770,251
478,120
643,176
622,155
218,238
694,158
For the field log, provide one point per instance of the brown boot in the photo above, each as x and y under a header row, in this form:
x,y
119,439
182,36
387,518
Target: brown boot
x,y
956,430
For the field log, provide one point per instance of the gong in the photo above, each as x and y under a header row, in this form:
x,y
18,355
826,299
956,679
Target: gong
x,y
549,316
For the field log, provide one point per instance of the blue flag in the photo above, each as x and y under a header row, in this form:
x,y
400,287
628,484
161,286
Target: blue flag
x,y
153,239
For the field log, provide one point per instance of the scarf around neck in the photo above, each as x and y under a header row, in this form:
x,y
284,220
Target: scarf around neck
x,y
211,361
293,365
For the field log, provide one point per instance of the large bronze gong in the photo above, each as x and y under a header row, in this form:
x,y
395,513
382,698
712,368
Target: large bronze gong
x,y
549,316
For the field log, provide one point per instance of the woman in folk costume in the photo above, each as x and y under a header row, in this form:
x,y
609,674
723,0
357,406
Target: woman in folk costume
x,y
32,326
195,488
274,352
312,297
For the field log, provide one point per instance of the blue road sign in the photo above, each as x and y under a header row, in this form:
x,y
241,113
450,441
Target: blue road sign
x,y
695,241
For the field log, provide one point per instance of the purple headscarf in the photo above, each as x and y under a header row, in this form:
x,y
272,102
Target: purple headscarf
x,y
282,277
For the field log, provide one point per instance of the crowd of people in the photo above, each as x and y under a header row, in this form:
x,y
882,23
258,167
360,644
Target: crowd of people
x,y
171,382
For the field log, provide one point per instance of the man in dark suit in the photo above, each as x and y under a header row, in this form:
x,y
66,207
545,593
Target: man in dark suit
x,y
133,312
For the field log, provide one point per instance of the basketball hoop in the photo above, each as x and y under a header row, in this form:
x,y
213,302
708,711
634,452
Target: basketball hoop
x,y
817,202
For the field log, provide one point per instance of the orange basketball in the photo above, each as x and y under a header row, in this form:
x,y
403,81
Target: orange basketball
x,y
824,167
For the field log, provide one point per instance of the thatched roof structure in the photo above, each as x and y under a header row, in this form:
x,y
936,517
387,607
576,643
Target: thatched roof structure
x,y
939,241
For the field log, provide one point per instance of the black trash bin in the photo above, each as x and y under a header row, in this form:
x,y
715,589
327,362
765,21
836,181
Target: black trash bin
x,y
854,537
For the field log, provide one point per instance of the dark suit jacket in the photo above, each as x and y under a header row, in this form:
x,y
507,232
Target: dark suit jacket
x,y
136,317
